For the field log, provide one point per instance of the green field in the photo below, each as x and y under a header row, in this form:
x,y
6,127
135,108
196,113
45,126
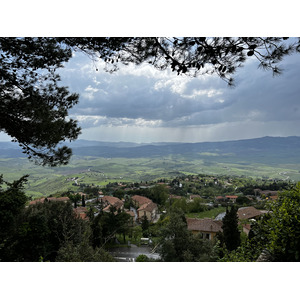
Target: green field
x,y
44,181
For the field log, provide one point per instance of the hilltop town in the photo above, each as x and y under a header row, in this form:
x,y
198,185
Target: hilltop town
x,y
145,207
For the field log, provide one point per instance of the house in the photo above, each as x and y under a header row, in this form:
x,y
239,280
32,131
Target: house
x,y
249,212
193,197
149,210
108,201
140,200
220,199
231,198
132,216
246,228
81,212
208,228
267,194
274,197
42,200
245,214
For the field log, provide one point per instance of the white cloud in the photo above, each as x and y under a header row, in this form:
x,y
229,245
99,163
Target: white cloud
x,y
157,101
89,92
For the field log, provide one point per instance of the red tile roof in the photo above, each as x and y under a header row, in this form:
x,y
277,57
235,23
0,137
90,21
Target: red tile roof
x,y
204,225
248,212
148,207
112,200
81,212
247,226
140,200
130,212
42,200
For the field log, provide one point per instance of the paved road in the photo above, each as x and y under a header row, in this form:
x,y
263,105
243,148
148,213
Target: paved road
x,y
130,254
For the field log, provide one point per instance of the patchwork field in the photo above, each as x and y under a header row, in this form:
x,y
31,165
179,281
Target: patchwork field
x,y
44,181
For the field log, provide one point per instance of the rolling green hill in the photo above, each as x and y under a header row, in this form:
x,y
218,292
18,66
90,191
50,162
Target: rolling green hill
x,y
99,163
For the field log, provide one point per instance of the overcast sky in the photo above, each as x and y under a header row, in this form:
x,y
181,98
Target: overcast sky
x,y
142,104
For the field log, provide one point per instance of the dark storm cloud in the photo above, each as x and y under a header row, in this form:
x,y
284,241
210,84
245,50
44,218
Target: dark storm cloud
x,y
135,94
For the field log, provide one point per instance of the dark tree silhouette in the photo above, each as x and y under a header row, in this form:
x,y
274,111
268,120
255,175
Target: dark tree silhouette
x,y
83,201
34,108
192,56
231,232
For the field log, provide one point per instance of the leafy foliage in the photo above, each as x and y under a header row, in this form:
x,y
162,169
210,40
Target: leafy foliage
x,y
41,229
82,252
142,258
75,198
194,206
33,107
177,244
276,234
192,56
145,225
280,229
12,202
107,224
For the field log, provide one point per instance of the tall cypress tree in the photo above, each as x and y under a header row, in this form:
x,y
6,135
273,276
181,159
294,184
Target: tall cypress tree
x,y
231,232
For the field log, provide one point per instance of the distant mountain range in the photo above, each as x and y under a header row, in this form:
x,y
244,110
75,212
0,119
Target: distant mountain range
x,y
271,150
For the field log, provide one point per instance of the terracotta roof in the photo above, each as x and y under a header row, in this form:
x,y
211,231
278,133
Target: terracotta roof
x,y
81,212
206,225
141,200
148,207
247,226
81,209
42,200
112,200
194,196
116,205
130,212
248,212
58,199
231,197
37,201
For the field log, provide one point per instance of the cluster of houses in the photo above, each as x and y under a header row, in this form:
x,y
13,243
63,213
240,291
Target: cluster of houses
x,y
208,228
144,206
259,195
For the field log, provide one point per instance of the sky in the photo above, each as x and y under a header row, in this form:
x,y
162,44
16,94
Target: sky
x,y
142,104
